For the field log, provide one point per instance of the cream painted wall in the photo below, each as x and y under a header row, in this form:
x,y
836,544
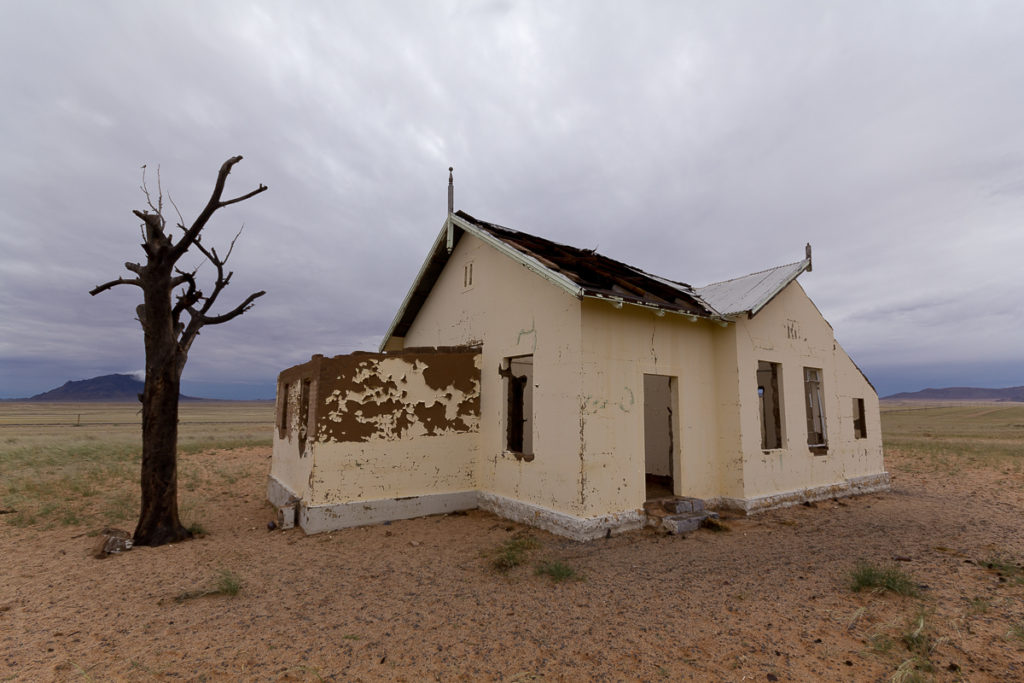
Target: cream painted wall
x,y
515,313
619,347
791,331
384,468
589,361
659,425
287,464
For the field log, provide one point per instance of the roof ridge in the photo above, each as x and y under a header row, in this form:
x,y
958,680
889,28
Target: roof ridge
x,y
588,252
756,272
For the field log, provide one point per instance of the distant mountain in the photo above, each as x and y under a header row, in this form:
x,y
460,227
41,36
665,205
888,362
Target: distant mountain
x,y
961,394
108,388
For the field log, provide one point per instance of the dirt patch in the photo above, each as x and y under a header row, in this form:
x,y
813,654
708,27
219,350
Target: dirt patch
x,y
421,599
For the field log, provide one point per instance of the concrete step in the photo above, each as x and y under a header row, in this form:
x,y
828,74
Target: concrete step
x,y
678,506
681,524
686,522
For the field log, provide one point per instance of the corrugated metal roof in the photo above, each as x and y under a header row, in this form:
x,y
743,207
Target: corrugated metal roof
x,y
750,293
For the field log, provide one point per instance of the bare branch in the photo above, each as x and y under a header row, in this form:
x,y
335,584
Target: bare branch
x,y
134,267
183,277
145,188
212,205
181,219
154,228
186,299
261,188
231,247
230,315
114,283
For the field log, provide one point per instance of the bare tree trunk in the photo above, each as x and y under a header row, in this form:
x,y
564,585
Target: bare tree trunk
x,y
158,521
168,339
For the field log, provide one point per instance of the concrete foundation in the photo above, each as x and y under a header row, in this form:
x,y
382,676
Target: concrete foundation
x,y
855,486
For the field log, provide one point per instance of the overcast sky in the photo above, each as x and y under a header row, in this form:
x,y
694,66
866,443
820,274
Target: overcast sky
x,y
697,140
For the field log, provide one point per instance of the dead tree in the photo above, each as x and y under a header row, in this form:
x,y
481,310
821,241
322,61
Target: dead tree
x,y
171,320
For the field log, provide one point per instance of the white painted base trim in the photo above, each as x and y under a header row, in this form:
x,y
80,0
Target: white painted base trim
x,y
871,483
278,494
317,518
570,526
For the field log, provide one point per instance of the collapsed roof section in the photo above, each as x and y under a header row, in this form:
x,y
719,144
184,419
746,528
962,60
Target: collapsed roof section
x,y
584,273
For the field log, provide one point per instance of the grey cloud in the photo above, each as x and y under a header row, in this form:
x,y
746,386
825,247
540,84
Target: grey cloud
x,y
697,141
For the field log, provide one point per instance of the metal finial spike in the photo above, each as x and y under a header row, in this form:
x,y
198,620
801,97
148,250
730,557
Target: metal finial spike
x,y
451,190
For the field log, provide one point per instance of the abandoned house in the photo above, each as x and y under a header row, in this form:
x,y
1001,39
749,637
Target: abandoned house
x,y
557,387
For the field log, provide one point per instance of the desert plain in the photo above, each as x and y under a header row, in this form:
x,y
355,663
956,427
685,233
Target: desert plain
x,y
786,595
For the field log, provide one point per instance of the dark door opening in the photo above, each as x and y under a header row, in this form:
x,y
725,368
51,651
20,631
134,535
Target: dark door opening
x,y
659,436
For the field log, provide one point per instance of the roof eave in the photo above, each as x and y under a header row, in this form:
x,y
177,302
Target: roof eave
x,y
440,244
524,260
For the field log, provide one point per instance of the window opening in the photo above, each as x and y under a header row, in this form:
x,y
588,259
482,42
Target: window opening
x,y
303,414
282,410
770,398
518,374
860,423
816,436
467,275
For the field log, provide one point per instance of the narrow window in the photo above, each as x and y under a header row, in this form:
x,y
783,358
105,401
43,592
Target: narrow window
x,y
467,275
303,414
860,423
518,374
282,410
770,400
816,436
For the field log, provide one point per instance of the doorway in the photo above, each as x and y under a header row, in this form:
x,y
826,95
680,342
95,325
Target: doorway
x,y
659,435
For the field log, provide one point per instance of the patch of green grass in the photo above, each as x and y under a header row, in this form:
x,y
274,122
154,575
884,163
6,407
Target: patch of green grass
x,y
513,552
918,638
228,583
909,672
880,643
1006,567
53,474
196,529
869,576
557,571
980,606
1016,631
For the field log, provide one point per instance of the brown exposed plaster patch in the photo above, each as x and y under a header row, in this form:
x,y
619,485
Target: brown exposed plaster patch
x,y
433,417
470,406
451,370
357,398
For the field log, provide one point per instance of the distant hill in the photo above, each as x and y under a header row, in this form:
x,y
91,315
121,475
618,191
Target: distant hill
x,y
961,394
108,388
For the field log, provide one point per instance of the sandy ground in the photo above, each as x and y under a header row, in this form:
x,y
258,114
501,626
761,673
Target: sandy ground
x,y
418,600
